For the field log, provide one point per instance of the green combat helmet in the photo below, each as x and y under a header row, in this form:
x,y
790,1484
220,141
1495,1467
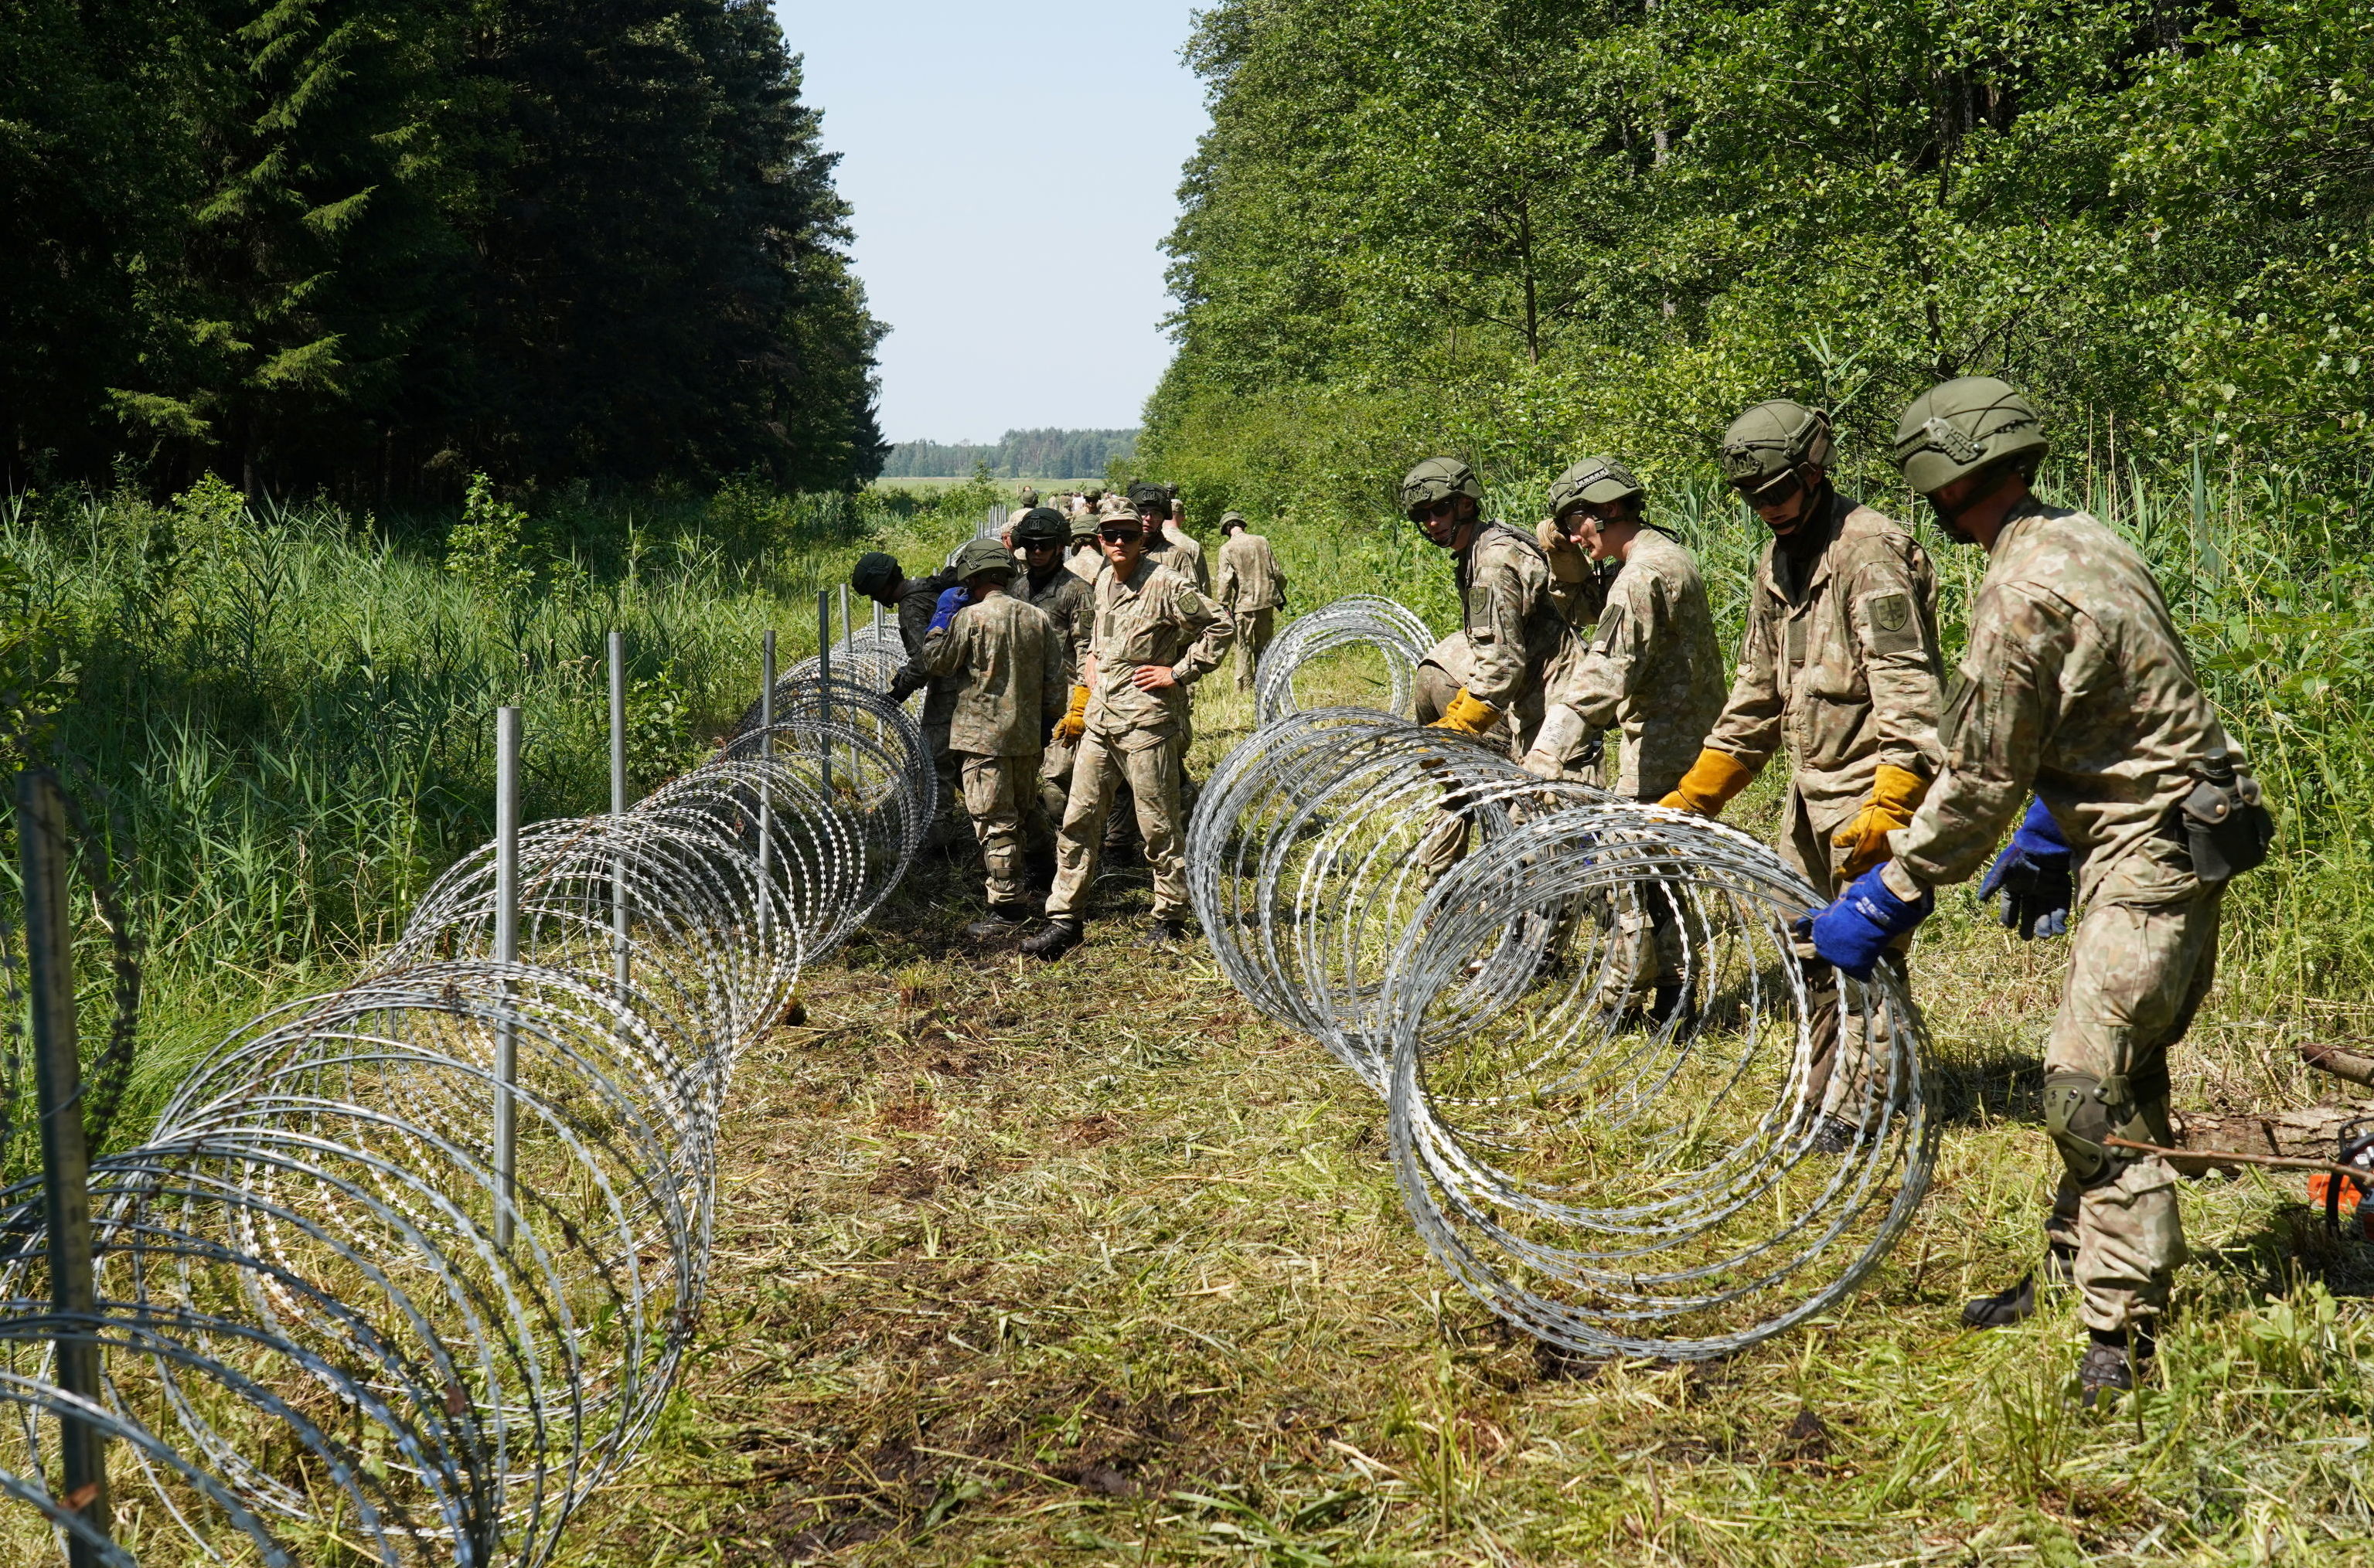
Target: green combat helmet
x,y
1041,525
1963,426
984,555
1233,520
1771,442
1437,480
1596,480
1084,527
875,573
1029,497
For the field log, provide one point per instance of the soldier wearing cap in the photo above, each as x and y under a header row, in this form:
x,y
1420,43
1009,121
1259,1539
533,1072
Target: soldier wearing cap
x,y
1840,666
1252,586
1008,668
2075,685
914,600
1155,636
1167,539
1064,597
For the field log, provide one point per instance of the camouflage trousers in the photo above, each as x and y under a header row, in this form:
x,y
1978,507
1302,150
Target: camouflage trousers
x,y
948,768
2136,976
996,789
1842,1076
1152,773
1254,628
1055,789
1445,844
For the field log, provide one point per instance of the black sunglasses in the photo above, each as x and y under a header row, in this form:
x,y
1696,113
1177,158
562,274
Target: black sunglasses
x,y
1774,494
1119,535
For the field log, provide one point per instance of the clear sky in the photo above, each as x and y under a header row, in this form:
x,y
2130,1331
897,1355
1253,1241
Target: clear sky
x,y
1013,165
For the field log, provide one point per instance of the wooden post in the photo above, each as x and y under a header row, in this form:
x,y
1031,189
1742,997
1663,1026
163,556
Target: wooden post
x,y
66,1151
823,687
506,812
766,780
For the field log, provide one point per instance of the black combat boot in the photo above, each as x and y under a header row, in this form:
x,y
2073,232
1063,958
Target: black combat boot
x,y
1063,934
1168,928
1005,920
2017,1303
2114,1360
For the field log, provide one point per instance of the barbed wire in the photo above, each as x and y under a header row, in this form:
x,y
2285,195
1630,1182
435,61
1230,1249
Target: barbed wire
x,y
1361,620
337,1318
1608,1064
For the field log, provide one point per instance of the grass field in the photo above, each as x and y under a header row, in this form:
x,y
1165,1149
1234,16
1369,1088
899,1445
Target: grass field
x,y
1090,1263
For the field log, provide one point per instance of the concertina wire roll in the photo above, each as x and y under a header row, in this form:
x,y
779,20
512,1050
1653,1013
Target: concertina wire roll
x,y
315,1343
1601,1052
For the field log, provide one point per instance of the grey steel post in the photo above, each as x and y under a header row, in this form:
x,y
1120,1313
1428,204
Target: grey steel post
x,y
506,812
847,633
65,1153
824,689
766,781
619,907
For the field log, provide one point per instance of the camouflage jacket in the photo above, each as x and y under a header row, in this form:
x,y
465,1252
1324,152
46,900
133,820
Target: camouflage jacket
x,y
1183,555
1843,668
1009,671
2075,685
917,601
1156,618
1067,601
1085,565
1249,577
1514,629
1653,667
1577,583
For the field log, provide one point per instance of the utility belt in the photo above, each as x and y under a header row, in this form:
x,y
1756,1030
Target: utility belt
x,y
2222,823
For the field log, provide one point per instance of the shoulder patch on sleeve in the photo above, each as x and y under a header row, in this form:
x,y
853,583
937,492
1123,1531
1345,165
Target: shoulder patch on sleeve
x,y
1893,629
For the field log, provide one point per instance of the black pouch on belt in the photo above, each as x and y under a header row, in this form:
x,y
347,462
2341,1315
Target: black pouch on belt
x,y
2226,825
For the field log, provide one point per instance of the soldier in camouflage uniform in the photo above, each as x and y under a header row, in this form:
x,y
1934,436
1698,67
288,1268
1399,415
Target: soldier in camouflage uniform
x,y
915,600
1009,668
1841,665
1166,539
1156,634
1064,597
2075,685
1650,671
1486,678
1082,558
1252,586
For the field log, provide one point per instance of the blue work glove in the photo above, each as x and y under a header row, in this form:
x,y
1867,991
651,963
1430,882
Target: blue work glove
x,y
1853,931
951,601
2032,875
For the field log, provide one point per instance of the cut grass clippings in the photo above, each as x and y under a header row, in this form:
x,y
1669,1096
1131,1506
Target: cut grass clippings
x,y
1088,1262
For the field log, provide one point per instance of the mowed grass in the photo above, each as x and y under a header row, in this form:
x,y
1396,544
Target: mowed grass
x,y
1090,1263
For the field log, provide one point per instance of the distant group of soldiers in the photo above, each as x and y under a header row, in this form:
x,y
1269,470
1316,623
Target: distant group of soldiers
x,y
1055,660
2075,724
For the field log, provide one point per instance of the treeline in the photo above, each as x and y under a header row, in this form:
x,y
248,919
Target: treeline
x,y
373,246
1526,229
1018,454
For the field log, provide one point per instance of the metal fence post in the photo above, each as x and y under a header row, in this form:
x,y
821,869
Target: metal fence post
x,y
618,906
847,633
65,1152
824,689
507,812
766,780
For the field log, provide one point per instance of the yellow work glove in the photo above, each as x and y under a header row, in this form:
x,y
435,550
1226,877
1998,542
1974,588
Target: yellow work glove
x,y
1075,722
1467,715
1895,795
1709,784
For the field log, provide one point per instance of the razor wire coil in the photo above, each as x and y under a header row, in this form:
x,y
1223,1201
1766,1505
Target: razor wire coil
x,y
1608,1062
314,1340
1360,620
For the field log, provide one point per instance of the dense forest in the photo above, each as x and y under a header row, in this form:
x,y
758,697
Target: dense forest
x,y
373,246
1527,227
1018,454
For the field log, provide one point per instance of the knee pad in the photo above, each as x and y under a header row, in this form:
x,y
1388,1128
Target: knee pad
x,y
2082,1111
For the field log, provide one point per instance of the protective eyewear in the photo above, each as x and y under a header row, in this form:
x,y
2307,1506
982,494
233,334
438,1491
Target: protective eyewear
x,y
1436,511
1775,493
1119,535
